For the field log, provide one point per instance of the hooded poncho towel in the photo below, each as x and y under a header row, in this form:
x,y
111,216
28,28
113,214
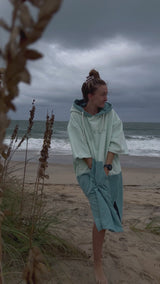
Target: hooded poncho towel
x,y
92,136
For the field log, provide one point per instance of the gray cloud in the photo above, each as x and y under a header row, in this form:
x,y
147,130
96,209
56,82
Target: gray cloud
x,y
82,23
118,38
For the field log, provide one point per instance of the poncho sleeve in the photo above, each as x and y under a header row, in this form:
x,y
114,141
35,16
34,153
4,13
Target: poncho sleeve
x,y
117,143
79,145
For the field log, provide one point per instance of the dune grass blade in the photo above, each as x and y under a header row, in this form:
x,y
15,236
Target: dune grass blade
x,y
16,234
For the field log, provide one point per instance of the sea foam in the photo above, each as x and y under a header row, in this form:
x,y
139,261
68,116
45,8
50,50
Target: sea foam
x,y
137,146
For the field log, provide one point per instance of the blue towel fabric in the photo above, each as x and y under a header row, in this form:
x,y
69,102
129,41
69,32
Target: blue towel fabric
x,y
105,194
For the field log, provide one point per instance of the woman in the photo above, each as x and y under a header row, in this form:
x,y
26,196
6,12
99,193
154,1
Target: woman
x,y
97,138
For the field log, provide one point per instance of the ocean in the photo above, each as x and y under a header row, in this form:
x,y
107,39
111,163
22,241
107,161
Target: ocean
x,y
143,139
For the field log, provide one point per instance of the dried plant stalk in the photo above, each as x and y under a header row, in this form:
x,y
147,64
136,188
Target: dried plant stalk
x,y
37,203
23,31
1,219
7,156
35,271
16,53
31,118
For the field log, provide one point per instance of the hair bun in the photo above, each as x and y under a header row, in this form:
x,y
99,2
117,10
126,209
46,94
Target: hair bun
x,y
94,73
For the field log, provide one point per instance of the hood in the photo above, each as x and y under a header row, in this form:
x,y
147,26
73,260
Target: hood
x,y
78,106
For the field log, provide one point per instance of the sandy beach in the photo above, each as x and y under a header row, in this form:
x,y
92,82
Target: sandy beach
x,y
129,257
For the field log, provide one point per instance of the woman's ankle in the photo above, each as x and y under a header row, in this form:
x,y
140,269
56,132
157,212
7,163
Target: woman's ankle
x,y
99,273
98,262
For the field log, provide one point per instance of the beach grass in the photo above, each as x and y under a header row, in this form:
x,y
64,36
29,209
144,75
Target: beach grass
x,y
16,230
151,227
154,226
28,225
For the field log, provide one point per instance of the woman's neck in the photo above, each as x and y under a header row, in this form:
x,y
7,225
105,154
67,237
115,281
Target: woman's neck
x,y
91,109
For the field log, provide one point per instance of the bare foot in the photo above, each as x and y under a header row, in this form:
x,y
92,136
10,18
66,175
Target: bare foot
x,y
99,274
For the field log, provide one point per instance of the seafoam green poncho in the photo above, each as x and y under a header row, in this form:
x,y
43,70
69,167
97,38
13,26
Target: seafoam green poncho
x,y
92,136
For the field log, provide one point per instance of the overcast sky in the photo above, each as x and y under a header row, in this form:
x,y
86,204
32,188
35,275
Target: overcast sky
x,y
119,38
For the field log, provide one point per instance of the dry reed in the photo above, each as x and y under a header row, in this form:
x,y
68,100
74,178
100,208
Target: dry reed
x,y
37,203
32,113
23,31
35,271
35,222
7,156
1,219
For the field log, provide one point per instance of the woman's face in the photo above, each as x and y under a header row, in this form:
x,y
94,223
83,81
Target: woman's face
x,y
99,98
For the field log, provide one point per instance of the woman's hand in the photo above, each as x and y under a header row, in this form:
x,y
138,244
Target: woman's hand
x,y
106,171
88,162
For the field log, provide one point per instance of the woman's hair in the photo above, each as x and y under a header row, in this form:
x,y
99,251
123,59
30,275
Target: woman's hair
x,y
91,84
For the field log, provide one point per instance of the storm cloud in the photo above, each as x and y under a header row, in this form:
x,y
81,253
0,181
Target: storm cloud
x,y
118,38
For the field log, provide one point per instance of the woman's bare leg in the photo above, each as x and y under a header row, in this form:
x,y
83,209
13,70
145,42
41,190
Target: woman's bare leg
x,y
98,239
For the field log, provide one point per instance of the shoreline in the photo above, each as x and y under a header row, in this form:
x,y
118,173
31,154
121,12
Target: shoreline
x,y
127,161
62,172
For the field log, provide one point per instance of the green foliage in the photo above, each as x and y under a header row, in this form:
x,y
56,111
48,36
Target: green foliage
x,y
152,227
27,224
16,232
